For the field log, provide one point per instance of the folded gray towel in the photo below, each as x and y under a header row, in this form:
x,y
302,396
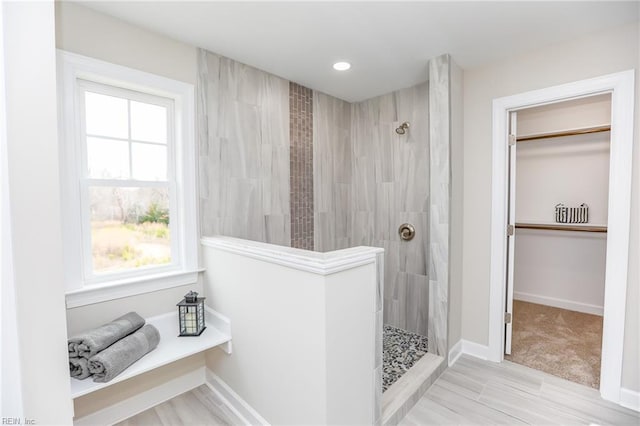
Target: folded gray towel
x,y
116,358
79,368
89,343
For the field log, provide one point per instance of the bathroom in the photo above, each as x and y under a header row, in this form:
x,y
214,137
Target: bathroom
x,y
358,173
326,188
314,221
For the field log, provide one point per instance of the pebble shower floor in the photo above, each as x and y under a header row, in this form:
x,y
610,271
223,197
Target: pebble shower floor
x,y
401,350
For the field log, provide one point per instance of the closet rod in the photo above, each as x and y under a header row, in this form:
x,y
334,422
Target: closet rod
x,y
574,132
561,227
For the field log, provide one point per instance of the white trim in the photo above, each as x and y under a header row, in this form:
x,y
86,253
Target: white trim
x,y
87,68
630,399
73,67
87,182
475,349
130,287
454,353
559,303
143,401
222,324
233,401
621,87
140,402
11,404
309,261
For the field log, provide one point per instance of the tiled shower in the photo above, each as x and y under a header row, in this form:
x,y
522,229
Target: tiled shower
x,y
287,165
368,181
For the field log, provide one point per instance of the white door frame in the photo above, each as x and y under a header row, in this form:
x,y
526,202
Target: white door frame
x,y
10,365
621,87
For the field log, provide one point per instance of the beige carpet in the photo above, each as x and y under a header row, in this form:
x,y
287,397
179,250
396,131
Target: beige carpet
x,y
564,343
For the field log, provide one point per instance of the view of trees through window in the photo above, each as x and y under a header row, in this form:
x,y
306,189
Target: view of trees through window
x,y
128,188
129,228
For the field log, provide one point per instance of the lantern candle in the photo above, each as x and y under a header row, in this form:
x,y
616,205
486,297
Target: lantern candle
x,y
190,322
191,315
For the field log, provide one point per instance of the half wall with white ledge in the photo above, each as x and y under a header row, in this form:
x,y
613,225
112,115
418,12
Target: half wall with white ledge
x,y
307,329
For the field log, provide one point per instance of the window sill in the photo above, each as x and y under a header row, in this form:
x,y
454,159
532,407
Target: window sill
x,y
130,287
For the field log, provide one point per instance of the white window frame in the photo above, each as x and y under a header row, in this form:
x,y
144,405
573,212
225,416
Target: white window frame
x,y
75,73
91,278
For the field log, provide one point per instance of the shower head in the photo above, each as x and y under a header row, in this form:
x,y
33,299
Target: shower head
x,y
403,128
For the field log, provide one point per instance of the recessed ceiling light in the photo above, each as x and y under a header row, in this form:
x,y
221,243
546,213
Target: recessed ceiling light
x,y
341,66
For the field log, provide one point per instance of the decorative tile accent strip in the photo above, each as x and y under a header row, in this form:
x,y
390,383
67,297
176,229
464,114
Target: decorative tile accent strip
x,y
301,165
402,349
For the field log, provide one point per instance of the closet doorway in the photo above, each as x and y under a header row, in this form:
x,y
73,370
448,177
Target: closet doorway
x,y
621,87
558,204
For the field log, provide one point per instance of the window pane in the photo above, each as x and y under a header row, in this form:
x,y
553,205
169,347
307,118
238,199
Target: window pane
x,y
148,122
149,161
108,158
106,115
129,228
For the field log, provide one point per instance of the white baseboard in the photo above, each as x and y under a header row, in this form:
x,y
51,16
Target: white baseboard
x,y
143,401
233,401
630,399
455,353
559,303
475,349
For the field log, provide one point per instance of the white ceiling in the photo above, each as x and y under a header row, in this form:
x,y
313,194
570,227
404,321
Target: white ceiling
x,y
388,43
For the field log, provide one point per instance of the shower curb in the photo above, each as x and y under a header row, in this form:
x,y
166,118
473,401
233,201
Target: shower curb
x,y
401,396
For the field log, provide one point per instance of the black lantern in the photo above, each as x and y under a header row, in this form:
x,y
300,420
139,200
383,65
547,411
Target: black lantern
x,y
191,314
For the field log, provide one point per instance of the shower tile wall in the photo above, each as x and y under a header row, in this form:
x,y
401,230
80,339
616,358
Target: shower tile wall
x,y
368,180
301,166
439,115
332,172
391,187
243,134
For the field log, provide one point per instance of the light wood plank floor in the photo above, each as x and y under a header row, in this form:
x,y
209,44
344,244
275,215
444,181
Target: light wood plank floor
x,y
473,391
197,407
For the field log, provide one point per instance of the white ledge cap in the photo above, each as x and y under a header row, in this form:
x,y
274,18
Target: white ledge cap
x,y
319,263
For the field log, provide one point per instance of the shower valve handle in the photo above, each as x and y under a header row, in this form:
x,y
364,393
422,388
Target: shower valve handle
x,y
407,231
